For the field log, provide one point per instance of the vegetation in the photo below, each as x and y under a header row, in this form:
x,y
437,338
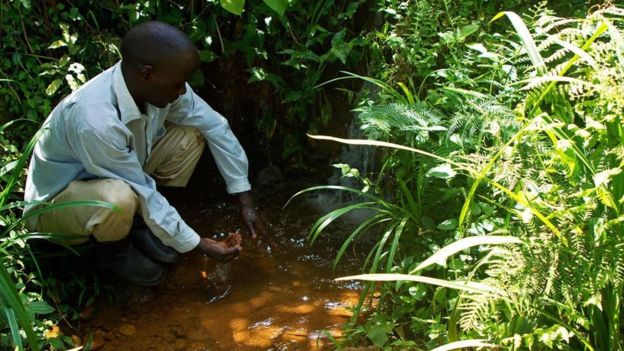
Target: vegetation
x,y
496,208
516,169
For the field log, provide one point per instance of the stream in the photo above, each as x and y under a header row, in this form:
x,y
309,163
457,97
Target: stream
x,y
280,299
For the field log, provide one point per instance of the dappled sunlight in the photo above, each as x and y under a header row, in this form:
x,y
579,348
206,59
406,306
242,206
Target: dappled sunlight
x,y
278,314
299,309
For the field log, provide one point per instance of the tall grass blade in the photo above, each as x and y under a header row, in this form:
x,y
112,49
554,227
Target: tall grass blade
x,y
8,168
459,285
9,295
332,187
53,207
15,121
381,244
327,219
414,208
525,37
459,345
374,220
443,254
8,189
14,327
408,93
395,244
391,145
384,86
463,215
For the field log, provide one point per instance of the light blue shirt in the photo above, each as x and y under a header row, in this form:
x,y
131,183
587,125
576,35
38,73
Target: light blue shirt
x,y
99,132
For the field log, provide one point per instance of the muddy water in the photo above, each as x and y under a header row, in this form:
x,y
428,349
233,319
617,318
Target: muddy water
x,y
282,299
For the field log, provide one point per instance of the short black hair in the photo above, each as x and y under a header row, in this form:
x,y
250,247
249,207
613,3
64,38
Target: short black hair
x,y
154,43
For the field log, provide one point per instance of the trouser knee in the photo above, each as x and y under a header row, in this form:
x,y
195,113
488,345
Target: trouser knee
x,y
175,156
114,224
120,195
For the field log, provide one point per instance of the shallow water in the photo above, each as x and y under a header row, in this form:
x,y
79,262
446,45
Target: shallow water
x,y
284,299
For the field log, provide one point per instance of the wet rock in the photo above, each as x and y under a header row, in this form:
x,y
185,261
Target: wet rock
x,y
76,341
177,331
98,340
127,329
270,177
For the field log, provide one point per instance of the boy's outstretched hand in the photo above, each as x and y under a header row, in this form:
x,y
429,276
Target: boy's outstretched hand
x,y
222,251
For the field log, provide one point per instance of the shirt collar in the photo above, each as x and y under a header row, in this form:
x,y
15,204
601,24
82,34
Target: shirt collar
x,y
127,107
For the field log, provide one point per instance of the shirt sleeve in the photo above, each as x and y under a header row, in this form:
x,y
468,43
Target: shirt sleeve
x,y
192,111
104,150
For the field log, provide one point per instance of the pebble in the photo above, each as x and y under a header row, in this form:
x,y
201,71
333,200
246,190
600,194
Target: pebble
x,y
98,340
76,341
178,331
127,329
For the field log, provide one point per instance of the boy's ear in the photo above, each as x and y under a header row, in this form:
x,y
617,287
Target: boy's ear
x,y
147,71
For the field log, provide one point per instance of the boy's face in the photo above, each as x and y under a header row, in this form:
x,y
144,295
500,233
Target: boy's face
x,y
163,84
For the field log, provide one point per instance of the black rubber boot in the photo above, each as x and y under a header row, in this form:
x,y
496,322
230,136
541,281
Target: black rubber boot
x,y
146,242
129,263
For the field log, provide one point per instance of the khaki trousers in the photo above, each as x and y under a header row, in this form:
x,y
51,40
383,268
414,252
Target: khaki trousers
x,y
171,163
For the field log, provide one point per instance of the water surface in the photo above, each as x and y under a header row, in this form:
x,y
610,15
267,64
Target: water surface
x,y
284,299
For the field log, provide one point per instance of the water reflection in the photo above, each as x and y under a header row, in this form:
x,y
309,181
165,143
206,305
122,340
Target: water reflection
x,y
281,300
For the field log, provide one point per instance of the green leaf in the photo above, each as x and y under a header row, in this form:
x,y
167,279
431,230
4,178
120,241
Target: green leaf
x,y
449,224
278,6
257,74
26,3
340,48
467,30
40,307
207,55
234,6
57,44
377,335
443,171
427,222
53,87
